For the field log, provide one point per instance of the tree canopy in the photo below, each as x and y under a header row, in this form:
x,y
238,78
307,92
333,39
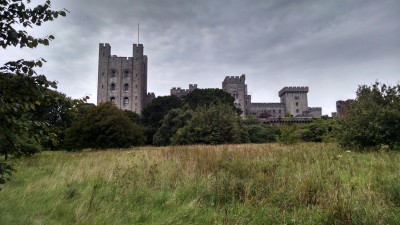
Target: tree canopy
x,y
214,124
21,89
207,97
103,126
373,119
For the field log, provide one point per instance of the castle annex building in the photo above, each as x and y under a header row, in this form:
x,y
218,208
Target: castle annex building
x,y
293,100
123,80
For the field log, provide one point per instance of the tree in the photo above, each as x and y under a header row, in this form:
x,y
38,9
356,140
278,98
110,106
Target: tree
x,y
14,128
215,124
373,119
15,135
175,119
208,97
154,112
261,133
104,126
58,112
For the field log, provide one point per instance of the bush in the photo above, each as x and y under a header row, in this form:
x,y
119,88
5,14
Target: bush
x,y
104,126
373,119
216,124
261,133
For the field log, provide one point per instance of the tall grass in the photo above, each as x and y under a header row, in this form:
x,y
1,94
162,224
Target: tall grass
x,y
226,184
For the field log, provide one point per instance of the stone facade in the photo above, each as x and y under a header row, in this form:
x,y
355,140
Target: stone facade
x,y
266,110
342,107
295,100
181,93
237,87
123,80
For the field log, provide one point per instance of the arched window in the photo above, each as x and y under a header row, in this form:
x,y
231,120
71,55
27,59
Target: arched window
x,y
112,99
112,87
126,74
126,87
113,73
126,101
235,95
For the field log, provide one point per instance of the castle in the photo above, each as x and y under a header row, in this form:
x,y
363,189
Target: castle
x,y
293,100
123,80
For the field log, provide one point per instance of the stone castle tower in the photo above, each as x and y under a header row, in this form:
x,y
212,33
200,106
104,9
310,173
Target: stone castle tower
x,y
294,99
237,87
123,80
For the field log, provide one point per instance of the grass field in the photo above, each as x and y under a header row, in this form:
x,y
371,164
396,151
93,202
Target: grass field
x,y
226,184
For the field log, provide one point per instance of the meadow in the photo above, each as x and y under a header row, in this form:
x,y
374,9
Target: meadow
x,y
306,183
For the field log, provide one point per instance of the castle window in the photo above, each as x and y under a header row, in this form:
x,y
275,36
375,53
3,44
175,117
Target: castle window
x,y
112,99
235,95
112,87
113,73
280,111
102,74
273,111
297,111
135,97
126,101
102,86
126,73
126,87
297,104
136,85
296,97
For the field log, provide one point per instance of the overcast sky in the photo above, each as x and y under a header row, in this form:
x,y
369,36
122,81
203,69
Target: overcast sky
x,y
332,46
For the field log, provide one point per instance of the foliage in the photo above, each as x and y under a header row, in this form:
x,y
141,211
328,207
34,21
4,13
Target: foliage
x,y
175,119
16,134
153,113
19,95
289,134
5,172
261,133
373,119
208,97
215,124
58,112
104,126
133,116
320,130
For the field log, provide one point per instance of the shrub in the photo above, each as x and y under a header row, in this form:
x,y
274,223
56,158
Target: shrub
x,y
104,126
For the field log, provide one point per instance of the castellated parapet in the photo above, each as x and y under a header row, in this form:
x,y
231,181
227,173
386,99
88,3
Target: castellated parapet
x,y
292,89
181,93
123,80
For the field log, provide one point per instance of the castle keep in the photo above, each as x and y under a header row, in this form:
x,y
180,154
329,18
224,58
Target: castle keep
x,y
123,80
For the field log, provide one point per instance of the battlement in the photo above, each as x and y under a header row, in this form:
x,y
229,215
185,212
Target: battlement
x,y
103,45
268,104
235,79
292,89
180,93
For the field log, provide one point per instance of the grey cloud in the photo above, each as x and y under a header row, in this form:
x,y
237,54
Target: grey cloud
x,y
331,46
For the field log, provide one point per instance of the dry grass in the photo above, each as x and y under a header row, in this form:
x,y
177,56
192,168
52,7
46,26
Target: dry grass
x,y
228,184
